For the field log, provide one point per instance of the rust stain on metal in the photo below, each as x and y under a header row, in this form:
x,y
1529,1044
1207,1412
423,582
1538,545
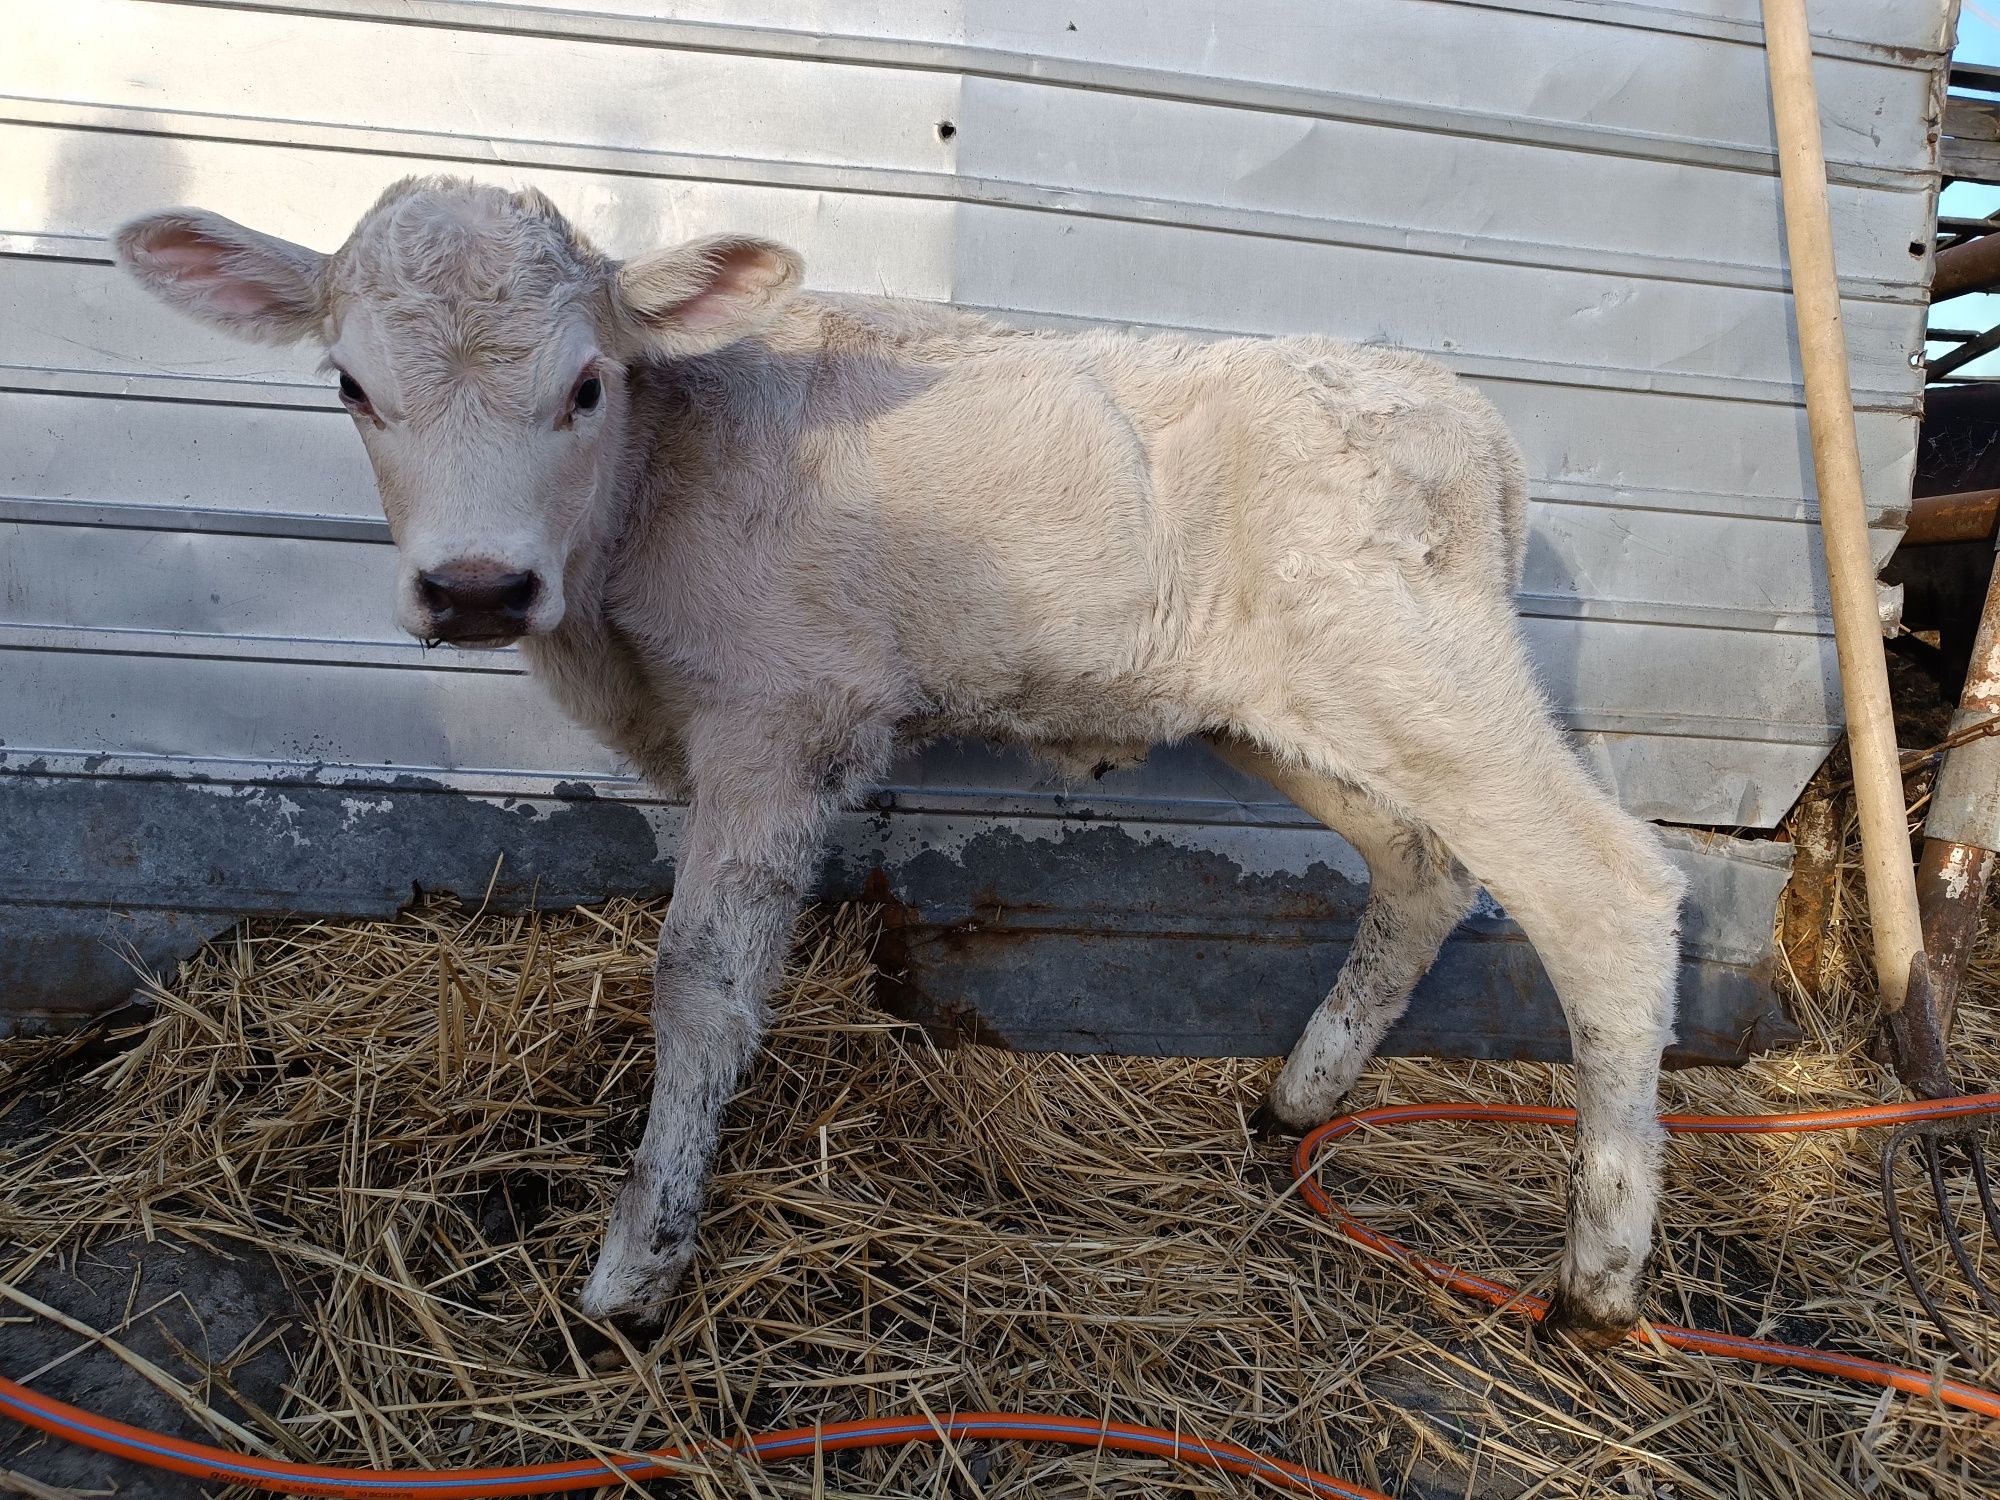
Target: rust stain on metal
x,y
899,988
1808,901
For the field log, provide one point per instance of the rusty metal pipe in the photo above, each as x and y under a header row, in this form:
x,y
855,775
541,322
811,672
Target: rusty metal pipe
x,y
1965,517
1970,267
1962,828
1951,889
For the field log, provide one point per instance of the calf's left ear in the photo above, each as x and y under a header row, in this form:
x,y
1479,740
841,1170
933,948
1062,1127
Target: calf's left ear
x,y
253,285
705,294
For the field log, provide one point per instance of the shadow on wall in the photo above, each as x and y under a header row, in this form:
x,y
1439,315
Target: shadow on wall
x,y
94,181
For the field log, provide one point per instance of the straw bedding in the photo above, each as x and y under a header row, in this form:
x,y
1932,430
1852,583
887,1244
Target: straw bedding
x,y
420,1122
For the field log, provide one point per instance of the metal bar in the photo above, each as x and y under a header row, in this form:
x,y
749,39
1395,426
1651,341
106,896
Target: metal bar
x,y
1864,673
1966,353
1975,76
1083,933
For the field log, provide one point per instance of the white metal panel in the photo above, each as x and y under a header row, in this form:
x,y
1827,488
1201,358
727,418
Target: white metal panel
x,y
1553,70
1845,28
1240,171
64,566
1572,202
69,586
1560,326
193,464
262,63
1487,317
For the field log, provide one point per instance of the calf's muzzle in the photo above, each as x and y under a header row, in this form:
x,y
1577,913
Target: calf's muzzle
x,y
477,602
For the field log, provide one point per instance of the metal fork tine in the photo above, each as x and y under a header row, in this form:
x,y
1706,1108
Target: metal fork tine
x,y
1892,1210
1982,1179
1933,1149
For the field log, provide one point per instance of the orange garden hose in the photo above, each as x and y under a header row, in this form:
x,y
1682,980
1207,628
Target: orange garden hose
x,y
202,1461
1699,1340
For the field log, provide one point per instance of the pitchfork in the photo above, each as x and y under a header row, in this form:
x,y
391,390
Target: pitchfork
x,y
1918,1046
1964,821
1961,831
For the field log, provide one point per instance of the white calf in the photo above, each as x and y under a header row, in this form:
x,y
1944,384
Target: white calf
x,y
759,539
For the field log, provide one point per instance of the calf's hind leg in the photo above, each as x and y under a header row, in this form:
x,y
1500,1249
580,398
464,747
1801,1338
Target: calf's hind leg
x,y
1480,761
1417,893
1466,748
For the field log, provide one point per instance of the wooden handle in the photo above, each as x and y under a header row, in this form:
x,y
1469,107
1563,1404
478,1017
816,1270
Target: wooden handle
x,y
1843,518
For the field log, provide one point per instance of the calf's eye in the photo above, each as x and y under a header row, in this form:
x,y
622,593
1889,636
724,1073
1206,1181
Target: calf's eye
x,y
588,394
350,390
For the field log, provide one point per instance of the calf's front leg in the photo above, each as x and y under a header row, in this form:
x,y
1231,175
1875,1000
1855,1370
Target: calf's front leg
x,y
737,894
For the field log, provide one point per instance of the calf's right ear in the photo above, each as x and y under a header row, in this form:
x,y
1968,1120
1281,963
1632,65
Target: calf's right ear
x,y
253,285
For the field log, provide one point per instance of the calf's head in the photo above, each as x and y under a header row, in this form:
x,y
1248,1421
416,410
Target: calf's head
x,y
481,345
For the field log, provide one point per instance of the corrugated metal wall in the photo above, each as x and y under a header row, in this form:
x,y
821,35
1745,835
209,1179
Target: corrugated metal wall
x,y
1573,203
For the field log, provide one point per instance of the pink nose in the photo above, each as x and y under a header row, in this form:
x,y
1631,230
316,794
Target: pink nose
x,y
477,600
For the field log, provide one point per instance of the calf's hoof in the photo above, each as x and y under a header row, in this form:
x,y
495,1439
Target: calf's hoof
x,y
1266,1126
634,1300
1306,1095
633,1280
1588,1325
